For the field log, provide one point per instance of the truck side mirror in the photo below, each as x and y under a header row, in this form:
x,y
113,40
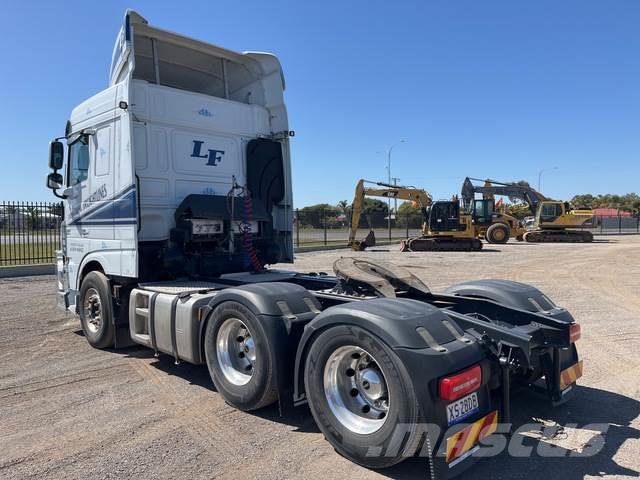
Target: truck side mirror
x,y
56,156
54,181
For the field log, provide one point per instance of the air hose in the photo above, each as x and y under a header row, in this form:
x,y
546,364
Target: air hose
x,y
245,224
247,236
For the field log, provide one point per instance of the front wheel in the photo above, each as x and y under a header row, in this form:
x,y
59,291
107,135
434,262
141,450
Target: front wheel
x,y
360,395
498,233
96,310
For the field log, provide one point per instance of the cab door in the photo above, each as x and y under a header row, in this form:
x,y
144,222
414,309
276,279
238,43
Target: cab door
x,y
90,177
77,183
482,211
549,212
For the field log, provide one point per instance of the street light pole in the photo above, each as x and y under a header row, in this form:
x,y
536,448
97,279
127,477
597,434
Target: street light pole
x,y
389,150
541,172
395,199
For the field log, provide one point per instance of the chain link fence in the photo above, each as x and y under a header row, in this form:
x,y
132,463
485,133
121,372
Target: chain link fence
x,y
29,232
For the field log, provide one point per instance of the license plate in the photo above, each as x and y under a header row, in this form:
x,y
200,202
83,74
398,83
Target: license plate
x,y
462,408
206,227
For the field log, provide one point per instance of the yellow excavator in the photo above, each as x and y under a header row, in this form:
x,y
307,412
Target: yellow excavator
x,y
444,227
555,221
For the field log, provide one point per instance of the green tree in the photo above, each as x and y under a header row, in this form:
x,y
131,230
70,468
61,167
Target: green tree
x,y
374,213
314,215
409,215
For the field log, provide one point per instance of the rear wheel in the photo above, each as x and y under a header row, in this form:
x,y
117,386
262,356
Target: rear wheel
x,y
96,310
360,394
498,233
239,357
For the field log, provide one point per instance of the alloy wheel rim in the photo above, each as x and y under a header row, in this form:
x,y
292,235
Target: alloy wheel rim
x,y
356,390
236,351
92,310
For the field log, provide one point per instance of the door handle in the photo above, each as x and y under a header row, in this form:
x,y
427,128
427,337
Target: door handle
x,y
84,232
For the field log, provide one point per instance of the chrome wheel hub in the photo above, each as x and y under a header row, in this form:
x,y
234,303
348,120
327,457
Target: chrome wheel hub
x,y
92,310
356,390
236,351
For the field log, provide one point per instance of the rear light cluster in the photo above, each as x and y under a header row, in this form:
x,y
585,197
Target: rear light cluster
x,y
459,385
574,332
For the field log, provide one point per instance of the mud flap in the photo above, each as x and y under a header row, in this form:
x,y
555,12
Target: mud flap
x,y
561,363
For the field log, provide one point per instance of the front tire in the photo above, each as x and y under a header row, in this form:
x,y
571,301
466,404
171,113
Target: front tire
x,y
96,310
498,233
360,393
239,358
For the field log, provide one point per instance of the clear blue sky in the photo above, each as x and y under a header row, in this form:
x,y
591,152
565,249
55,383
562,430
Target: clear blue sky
x,y
480,88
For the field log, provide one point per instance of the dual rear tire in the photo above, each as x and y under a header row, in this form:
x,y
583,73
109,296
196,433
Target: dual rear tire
x,y
360,394
357,388
239,357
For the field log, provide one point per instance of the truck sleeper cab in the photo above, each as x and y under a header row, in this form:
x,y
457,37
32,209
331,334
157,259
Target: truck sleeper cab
x,y
177,194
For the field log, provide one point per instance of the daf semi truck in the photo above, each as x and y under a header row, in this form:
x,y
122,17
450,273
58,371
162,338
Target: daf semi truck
x,y
176,185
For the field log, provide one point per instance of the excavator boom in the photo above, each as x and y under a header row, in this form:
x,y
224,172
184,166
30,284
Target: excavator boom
x,y
366,188
532,197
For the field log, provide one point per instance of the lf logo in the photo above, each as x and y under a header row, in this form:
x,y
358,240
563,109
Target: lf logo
x,y
213,156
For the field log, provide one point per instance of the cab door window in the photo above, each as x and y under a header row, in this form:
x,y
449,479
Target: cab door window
x,y
551,211
78,161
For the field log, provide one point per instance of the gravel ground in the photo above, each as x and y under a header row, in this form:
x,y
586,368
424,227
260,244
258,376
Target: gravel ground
x,y
70,411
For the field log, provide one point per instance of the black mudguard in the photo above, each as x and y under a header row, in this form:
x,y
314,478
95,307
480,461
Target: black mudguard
x,y
395,321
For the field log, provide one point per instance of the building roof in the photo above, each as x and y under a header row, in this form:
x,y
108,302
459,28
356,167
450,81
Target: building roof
x,y
610,212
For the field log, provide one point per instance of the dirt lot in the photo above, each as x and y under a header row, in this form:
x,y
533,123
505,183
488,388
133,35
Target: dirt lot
x,y
69,411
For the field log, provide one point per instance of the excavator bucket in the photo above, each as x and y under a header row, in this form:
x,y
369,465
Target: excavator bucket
x,y
361,246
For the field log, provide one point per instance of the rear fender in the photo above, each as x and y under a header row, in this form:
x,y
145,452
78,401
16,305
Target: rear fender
x,y
511,294
415,330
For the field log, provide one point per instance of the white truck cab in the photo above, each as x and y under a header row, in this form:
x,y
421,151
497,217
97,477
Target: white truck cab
x,y
159,165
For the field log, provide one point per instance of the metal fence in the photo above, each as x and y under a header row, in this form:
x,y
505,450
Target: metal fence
x,y
331,228
29,232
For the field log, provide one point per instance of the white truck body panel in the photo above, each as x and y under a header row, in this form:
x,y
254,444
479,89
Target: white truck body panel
x,y
174,133
152,141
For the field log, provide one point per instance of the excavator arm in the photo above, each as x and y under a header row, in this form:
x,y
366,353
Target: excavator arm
x,y
384,190
532,197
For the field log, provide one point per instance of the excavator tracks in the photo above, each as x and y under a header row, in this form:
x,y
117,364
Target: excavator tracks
x,y
558,236
442,244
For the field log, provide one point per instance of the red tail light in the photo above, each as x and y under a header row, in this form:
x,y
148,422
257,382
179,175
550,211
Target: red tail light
x,y
456,386
574,332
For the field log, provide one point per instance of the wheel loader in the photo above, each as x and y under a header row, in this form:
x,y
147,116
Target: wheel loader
x,y
489,223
